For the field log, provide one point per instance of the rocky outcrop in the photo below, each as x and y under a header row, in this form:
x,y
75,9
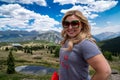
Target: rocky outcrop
x,y
115,75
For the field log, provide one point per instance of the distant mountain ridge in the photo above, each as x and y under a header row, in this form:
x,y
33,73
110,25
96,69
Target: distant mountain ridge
x,y
107,35
16,36
51,35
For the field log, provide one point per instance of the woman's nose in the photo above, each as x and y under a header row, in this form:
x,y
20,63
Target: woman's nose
x,y
70,27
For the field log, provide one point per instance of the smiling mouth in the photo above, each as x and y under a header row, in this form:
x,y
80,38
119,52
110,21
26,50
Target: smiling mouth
x,y
71,31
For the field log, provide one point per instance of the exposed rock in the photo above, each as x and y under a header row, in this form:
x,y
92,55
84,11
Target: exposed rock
x,y
115,75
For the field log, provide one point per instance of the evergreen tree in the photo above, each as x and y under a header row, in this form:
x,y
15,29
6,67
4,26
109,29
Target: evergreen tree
x,y
57,49
108,55
10,63
6,49
51,51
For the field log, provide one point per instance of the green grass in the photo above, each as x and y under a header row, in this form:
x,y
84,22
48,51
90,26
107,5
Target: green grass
x,y
41,58
115,64
17,76
22,58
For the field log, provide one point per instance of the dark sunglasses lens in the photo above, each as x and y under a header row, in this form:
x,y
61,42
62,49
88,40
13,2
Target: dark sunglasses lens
x,y
74,23
66,24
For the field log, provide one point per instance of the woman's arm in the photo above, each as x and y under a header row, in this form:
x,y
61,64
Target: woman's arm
x,y
101,67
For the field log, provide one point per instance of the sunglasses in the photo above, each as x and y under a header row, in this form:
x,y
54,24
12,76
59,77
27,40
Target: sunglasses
x,y
74,24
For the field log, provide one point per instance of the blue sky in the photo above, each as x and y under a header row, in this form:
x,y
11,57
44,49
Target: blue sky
x,y
42,15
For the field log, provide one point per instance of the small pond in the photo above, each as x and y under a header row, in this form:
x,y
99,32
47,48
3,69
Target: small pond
x,y
34,70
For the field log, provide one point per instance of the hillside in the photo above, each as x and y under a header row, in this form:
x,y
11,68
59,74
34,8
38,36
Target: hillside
x,y
112,45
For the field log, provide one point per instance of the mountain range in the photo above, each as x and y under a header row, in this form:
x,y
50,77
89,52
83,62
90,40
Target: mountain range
x,y
106,35
52,36
16,36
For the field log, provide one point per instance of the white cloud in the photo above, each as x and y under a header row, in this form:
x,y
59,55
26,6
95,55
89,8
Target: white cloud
x,y
103,5
92,23
91,7
83,9
85,1
63,2
39,2
18,17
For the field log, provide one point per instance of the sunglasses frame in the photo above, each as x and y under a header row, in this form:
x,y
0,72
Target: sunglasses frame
x,y
73,23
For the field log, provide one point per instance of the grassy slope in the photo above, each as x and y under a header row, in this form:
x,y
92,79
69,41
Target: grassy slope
x,y
41,57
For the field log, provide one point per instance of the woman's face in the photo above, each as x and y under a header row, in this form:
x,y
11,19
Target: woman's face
x,y
72,26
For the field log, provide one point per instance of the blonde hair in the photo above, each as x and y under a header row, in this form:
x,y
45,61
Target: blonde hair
x,y
84,33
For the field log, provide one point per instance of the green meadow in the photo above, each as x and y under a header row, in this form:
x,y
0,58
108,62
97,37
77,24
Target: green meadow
x,y
39,53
